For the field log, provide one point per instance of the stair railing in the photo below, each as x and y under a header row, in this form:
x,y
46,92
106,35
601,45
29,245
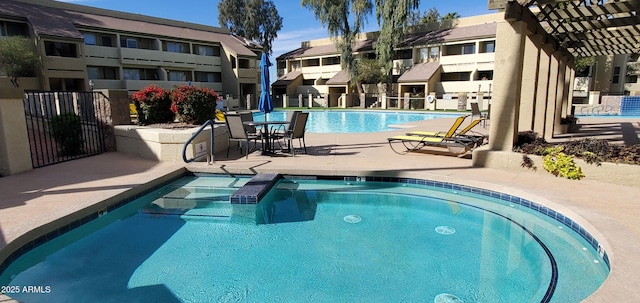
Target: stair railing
x,y
210,157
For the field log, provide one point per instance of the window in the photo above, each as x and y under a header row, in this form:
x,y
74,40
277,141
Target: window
x,y
310,62
89,39
131,73
331,61
13,29
308,82
424,54
468,49
175,47
403,54
616,74
208,77
434,52
488,47
99,72
461,49
632,79
129,43
179,76
60,49
107,41
205,50
233,62
244,63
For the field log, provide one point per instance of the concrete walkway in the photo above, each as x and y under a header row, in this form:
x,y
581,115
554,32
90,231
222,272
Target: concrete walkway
x,y
32,201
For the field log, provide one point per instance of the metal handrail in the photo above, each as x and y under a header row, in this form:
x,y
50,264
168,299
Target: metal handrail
x,y
210,158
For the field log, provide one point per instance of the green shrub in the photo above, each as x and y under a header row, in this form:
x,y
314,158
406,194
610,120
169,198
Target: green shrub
x,y
561,164
193,105
66,130
153,105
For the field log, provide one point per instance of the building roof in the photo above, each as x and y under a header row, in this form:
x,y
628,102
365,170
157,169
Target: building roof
x,y
44,20
325,49
62,19
341,78
287,78
420,72
450,34
418,38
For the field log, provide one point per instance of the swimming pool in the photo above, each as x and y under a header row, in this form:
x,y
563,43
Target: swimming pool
x,y
318,241
331,121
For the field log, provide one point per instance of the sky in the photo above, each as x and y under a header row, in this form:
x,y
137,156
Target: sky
x,y
298,24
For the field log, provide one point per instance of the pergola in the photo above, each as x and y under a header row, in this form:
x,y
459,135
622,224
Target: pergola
x,y
535,51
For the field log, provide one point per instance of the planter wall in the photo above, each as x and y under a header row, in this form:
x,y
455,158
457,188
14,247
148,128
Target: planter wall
x,y
165,144
623,174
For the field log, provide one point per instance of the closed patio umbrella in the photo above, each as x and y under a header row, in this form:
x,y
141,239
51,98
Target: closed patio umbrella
x,y
266,104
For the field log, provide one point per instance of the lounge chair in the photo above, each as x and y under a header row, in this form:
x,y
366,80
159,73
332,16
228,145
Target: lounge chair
x,y
465,134
454,143
454,127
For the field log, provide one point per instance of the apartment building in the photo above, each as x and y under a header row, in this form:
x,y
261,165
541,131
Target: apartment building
x,y
86,48
442,60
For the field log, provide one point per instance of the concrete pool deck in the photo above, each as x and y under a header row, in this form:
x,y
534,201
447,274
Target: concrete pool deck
x,y
31,201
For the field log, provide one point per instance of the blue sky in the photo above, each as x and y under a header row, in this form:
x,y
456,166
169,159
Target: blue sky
x,y
299,24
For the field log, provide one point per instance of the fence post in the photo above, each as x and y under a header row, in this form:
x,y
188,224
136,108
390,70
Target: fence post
x,y
299,100
406,101
383,102
285,100
310,100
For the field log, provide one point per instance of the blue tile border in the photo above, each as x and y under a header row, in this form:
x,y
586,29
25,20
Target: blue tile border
x,y
497,195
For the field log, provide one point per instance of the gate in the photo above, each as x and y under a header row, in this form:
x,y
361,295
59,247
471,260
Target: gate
x,y
64,126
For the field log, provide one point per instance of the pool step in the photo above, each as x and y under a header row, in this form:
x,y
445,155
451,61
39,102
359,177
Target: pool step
x,y
255,189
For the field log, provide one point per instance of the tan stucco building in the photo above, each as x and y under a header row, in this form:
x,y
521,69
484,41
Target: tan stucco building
x,y
87,48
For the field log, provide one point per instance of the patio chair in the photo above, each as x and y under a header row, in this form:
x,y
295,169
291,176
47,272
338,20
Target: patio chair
x,y
296,130
238,132
475,111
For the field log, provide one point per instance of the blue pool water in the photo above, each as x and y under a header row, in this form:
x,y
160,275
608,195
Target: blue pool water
x,y
314,241
353,121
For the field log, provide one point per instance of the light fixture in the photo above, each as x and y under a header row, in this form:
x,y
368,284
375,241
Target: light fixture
x,y
91,84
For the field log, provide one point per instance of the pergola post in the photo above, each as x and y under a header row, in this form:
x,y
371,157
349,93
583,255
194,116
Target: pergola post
x,y
505,103
542,91
552,97
530,68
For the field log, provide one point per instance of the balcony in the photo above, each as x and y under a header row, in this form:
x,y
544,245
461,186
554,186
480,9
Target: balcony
x,y
134,56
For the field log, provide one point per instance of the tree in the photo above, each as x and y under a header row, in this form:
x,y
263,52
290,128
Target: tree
x,y
369,71
393,18
344,19
18,58
252,19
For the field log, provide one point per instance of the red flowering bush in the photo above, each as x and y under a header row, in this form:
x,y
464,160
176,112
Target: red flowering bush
x,y
193,105
153,104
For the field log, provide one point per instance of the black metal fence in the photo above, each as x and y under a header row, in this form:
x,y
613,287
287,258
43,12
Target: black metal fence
x,y
64,126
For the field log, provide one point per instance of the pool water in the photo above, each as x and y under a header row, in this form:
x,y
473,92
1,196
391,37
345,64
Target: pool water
x,y
353,121
313,241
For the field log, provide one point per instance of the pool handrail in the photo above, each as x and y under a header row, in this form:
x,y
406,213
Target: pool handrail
x,y
210,157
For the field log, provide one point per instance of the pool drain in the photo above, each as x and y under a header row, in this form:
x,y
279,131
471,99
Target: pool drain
x,y
445,230
352,219
447,298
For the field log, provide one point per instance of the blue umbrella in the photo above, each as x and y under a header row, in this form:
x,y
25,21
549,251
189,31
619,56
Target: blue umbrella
x,y
266,104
